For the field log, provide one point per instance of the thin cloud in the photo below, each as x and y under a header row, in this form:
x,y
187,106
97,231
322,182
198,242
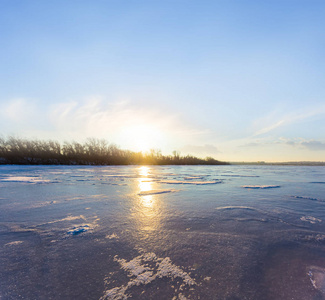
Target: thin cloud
x,y
271,127
314,145
288,119
203,150
18,110
250,145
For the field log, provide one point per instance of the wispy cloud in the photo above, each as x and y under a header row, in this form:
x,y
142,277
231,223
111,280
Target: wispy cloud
x,y
269,123
18,109
22,116
313,145
270,128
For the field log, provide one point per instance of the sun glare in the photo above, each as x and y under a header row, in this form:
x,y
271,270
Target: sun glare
x,y
142,138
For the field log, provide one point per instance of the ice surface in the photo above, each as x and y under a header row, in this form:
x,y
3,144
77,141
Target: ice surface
x,y
214,242
193,177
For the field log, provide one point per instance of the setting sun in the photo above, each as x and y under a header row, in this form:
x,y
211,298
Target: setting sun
x,y
143,137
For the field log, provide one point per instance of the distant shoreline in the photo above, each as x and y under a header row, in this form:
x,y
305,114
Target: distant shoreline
x,y
290,163
220,163
94,152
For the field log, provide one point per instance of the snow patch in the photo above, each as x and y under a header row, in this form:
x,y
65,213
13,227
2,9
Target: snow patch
x,y
317,278
180,296
260,186
112,236
14,243
68,218
144,269
26,179
310,219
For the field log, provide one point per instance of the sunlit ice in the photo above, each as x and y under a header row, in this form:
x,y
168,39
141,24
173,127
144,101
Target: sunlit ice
x,y
144,171
145,185
148,205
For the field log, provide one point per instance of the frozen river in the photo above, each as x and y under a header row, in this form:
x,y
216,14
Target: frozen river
x,y
162,232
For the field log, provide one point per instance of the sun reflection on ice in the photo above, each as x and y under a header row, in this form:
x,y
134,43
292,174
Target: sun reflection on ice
x,y
148,205
144,171
146,186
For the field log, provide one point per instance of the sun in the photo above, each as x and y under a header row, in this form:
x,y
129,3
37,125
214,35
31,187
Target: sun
x,y
142,138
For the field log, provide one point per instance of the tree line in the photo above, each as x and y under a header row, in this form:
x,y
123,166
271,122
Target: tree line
x,y
92,152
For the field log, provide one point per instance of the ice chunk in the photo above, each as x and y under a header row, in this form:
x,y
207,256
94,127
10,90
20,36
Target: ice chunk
x,y
155,192
190,182
240,175
235,207
78,230
260,186
305,198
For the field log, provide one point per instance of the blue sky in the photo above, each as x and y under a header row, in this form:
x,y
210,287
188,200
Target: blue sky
x,y
237,80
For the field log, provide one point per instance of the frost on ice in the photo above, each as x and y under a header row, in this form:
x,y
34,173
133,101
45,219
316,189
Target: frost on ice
x,y
14,243
310,219
25,179
317,278
144,269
